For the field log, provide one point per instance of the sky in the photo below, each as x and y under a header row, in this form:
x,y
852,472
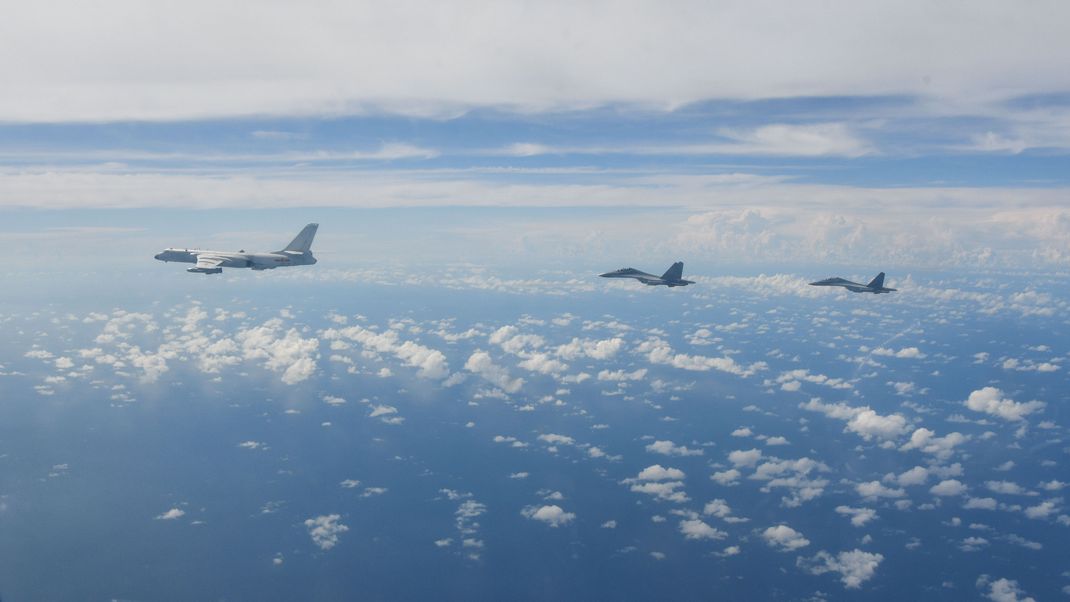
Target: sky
x,y
451,387
883,132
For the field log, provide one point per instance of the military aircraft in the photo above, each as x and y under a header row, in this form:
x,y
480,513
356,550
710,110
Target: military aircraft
x,y
298,252
875,286
672,277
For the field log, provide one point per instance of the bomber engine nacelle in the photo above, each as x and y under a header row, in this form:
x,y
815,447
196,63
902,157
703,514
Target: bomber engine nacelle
x,y
205,270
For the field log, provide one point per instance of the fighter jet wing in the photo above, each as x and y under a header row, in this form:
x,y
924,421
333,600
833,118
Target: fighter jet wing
x,y
208,262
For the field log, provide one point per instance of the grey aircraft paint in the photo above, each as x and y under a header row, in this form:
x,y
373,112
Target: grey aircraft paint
x,y
298,252
875,286
672,277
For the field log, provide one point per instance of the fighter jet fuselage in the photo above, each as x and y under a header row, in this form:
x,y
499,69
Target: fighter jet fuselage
x,y
298,252
672,277
875,286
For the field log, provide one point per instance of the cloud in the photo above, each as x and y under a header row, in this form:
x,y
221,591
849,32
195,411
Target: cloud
x,y
855,567
948,487
829,139
1025,543
718,508
1004,590
984,503
288,353
668,448
467,527
747,458
513,341
382,410
859,516
904,353
154,365
727,477
481,363
621,375
784,538
543,364
807,140
959,226
952,236
594,349
554,439
926,440
660,482
862,421
656,472
172,514
341,59
789,381
595,452
1042,510
659,352
325,529
874,489
697,529
1006,488
793,475
552,515
990,400
915,476
430,363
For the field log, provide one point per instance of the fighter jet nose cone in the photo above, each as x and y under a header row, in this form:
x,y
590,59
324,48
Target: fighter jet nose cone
x,y
606,275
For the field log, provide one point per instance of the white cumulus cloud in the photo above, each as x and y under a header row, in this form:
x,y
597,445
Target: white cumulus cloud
x,y
990,400
552,515
784,538
325,530
855,567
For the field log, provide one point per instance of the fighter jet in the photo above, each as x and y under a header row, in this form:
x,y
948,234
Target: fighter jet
x,y
875,286
298,252
672,277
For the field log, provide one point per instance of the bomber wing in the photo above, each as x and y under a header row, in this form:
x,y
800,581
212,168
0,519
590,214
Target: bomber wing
x,y
209,261
208,264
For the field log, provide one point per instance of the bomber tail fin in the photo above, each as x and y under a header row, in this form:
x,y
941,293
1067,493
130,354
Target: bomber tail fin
x,y
302,243
877,282
676,272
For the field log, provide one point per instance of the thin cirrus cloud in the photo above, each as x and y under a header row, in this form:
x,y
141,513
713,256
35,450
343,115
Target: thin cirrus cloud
x,y
830,139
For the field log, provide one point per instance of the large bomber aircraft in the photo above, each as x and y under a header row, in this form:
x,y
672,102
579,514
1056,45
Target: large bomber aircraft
x,y
672,277
298,252
875,286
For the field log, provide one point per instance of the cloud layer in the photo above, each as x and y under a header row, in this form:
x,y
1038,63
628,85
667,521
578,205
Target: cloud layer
x,y
339,58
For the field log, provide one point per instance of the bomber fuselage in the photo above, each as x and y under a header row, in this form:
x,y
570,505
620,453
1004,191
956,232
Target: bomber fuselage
x,y
256,261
